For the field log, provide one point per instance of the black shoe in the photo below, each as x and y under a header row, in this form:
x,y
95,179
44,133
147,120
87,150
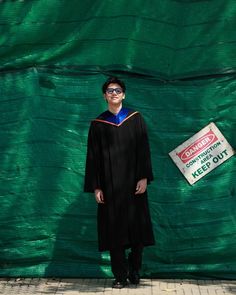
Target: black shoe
x,y
119,284
134,277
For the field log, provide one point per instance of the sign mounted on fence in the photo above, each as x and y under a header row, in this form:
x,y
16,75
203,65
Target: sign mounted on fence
x,y
203,152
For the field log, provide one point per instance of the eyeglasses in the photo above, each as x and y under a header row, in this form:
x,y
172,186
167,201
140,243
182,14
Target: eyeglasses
x,y
117,90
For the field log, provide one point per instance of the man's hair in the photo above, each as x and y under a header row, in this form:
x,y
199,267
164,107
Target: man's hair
x,y
113,80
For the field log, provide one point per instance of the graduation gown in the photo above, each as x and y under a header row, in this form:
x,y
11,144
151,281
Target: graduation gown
x,y
118,156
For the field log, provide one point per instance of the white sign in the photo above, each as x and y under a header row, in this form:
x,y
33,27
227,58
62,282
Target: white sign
x,y
203,152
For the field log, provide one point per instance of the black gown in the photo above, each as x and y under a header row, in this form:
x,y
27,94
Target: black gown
x,y
118,156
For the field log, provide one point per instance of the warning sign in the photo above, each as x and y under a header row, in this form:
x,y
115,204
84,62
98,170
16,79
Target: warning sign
x,y
203,152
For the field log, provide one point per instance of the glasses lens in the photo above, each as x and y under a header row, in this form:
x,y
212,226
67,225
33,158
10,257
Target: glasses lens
x,y
117,90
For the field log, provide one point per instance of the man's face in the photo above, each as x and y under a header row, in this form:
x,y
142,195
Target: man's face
x,y
114,94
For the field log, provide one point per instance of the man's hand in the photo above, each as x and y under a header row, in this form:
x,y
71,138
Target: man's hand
x,y
141,186
99,196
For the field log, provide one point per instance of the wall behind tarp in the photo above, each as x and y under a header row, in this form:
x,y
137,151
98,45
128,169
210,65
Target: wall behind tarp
x,y
178,61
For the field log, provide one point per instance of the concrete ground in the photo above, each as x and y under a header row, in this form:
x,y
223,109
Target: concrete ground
x,y
42,286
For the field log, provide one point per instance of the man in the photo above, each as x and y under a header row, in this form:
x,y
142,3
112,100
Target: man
x,y
118,169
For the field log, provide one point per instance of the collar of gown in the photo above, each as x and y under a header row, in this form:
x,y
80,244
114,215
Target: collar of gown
x,y
116,119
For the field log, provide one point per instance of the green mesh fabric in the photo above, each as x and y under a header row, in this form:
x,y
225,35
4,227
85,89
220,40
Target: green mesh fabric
x,y
178,61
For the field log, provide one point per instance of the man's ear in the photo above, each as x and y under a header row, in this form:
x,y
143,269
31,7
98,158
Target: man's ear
x,y
104,96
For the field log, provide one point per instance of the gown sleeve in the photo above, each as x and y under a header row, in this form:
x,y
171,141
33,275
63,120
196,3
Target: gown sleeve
x,y
144,165
92,168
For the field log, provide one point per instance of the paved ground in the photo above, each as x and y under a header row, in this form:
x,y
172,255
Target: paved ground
x,y
11,286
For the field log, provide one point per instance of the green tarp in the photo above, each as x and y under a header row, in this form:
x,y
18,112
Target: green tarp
x,y
178,61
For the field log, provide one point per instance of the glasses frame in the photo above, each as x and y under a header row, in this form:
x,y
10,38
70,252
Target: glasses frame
x,y
111,90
